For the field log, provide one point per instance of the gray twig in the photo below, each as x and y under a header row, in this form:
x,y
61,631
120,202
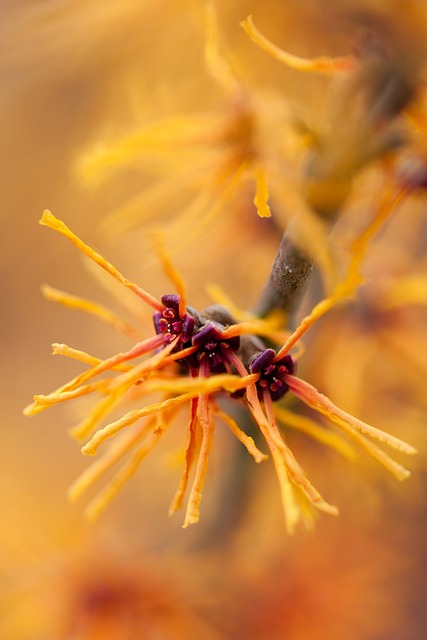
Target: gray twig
x,y
290,272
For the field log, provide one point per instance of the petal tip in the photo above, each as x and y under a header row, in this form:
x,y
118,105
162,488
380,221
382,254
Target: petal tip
x,y
47,217
88,449
29,410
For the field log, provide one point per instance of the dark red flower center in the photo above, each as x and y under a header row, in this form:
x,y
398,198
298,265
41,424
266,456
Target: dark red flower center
x,y
272,374
212,348
169,322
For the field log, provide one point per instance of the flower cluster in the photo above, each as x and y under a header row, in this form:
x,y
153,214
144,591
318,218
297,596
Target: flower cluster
x,y
196,358
192,359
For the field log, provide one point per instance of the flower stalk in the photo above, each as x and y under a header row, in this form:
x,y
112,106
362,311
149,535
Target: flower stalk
x,y
289,276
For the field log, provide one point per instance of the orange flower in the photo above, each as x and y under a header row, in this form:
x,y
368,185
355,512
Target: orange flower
x,y
196,356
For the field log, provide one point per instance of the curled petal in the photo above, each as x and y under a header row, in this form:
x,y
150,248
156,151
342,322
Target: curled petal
x,y
323,64
261,194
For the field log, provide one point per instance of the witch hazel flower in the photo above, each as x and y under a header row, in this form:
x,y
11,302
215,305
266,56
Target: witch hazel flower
x,y
193,360
170,324
272,374
183,340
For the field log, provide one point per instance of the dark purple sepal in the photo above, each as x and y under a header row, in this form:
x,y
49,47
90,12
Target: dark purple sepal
x,y
187,328
288,362
171,300
207,334
262,361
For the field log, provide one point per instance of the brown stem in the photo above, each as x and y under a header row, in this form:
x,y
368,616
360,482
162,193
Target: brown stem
x,y
290,272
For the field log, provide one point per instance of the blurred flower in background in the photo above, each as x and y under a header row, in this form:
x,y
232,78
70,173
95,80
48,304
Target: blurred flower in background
x,y
75,76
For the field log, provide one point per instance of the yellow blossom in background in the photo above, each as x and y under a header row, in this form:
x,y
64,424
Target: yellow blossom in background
x,y
203,165
205,162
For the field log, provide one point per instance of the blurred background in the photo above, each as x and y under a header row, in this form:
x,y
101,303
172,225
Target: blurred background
x,y
75,78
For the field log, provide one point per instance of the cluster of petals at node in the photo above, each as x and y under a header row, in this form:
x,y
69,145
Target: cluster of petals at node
x,y
212,350
170,323
272,373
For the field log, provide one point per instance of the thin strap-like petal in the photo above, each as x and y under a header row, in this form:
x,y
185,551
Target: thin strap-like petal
x,y
172,273
353,427
324,64
208,426
311,396
128,469
119,448
49,220
243,437
309,427
190,454
93,308
261,193
60,349
130,418
217,63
